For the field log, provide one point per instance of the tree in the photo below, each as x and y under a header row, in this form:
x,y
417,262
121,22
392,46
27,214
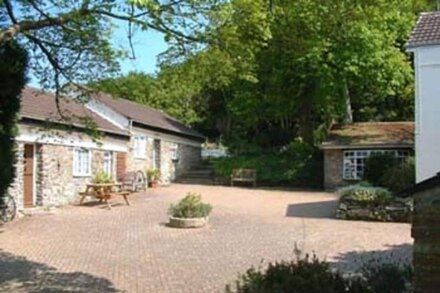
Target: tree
x,y
69,42
13,62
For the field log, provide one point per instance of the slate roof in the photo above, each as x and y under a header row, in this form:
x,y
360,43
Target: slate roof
x,y
370,134
147,116
38,105
426,31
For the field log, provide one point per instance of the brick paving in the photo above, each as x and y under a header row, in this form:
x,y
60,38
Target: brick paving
x,y
130,249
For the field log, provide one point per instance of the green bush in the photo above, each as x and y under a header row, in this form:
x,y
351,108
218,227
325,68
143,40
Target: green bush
x,y
399,177
102,177
390,276
365,195
375,167
309,275
296,164
191,206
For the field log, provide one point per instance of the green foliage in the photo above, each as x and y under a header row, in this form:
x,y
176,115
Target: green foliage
x,y
387,275
13,64
365,195
191,206
309,275
376,166
153,174
386,171
304,275
400,176
102,177
295,164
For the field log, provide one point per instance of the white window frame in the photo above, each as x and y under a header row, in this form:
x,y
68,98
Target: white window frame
x,y
82,162
108,163
353,161
174,149
140,147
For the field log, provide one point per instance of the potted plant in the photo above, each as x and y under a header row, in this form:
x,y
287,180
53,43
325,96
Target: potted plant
x,y
153,177
190,212
101,177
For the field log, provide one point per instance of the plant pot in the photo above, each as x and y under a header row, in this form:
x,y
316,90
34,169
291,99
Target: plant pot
x,y
188,222
153,184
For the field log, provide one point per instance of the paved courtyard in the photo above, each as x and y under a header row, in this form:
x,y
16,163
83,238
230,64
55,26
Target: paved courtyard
x,y
130,249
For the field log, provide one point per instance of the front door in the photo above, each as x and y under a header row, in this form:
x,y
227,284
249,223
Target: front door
x,y
28,175
121,166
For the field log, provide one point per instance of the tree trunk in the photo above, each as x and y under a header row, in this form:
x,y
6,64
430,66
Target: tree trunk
x,y
348,109
305,111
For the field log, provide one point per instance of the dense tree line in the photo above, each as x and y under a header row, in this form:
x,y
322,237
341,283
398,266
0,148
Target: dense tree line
x,y
276,70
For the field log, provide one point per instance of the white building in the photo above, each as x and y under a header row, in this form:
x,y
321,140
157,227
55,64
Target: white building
x,y
424,43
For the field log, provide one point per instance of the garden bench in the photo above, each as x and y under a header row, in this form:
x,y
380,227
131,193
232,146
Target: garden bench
x,y
244,175
134,181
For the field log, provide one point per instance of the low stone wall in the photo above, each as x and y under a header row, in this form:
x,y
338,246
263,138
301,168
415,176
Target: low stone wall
x,y
397,211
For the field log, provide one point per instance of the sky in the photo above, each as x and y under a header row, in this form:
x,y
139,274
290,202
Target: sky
x,y
147,45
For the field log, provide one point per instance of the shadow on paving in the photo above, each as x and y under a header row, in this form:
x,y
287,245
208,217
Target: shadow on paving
x,y
21,275
319,209
353,260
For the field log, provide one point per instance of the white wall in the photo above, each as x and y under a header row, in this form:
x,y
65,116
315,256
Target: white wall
x,y
427,139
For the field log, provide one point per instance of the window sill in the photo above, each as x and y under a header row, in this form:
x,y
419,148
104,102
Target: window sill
x,y
140,158
81,175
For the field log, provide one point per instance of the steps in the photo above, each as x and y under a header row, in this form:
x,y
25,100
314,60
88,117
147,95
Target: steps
x,y
201,175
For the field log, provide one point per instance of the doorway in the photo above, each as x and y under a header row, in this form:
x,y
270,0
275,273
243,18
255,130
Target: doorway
x,y
29,175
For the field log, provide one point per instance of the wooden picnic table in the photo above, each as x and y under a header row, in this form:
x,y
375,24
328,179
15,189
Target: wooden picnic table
x,y
104,192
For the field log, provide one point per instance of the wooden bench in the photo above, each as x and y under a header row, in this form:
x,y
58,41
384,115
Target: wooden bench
x,y
134,181
244,175
124,194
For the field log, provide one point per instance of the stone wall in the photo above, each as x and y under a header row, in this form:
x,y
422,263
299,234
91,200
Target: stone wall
x,y
398,210
333,160
16,188
54,181
188,156
426,234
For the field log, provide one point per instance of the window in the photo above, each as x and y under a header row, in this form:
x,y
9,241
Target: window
x,y
354,161
139,147
82,162
174,151
108,163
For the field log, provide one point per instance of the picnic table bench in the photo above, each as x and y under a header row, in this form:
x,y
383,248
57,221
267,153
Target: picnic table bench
x,y
104,192
244,175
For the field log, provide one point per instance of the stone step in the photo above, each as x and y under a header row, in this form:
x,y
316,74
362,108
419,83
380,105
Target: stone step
x,y
195,181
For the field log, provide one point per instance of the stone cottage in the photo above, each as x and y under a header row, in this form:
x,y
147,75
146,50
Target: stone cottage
x,y
157,140
61,148
348,146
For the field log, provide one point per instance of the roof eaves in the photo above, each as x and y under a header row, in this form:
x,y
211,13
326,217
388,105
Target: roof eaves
x,y
77,125
327,146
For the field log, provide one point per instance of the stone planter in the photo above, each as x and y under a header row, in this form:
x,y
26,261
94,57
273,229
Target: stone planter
x,y
188,222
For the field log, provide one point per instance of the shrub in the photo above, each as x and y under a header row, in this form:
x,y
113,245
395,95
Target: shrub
x,y
101,177
399,177
375,167
296,164
191,206
153,174
309,275
390,276
365,195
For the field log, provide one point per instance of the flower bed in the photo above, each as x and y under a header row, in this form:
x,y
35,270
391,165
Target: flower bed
x,y
360,202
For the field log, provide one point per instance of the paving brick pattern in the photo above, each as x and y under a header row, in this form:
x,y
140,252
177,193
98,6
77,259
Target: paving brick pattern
x,y
129,248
